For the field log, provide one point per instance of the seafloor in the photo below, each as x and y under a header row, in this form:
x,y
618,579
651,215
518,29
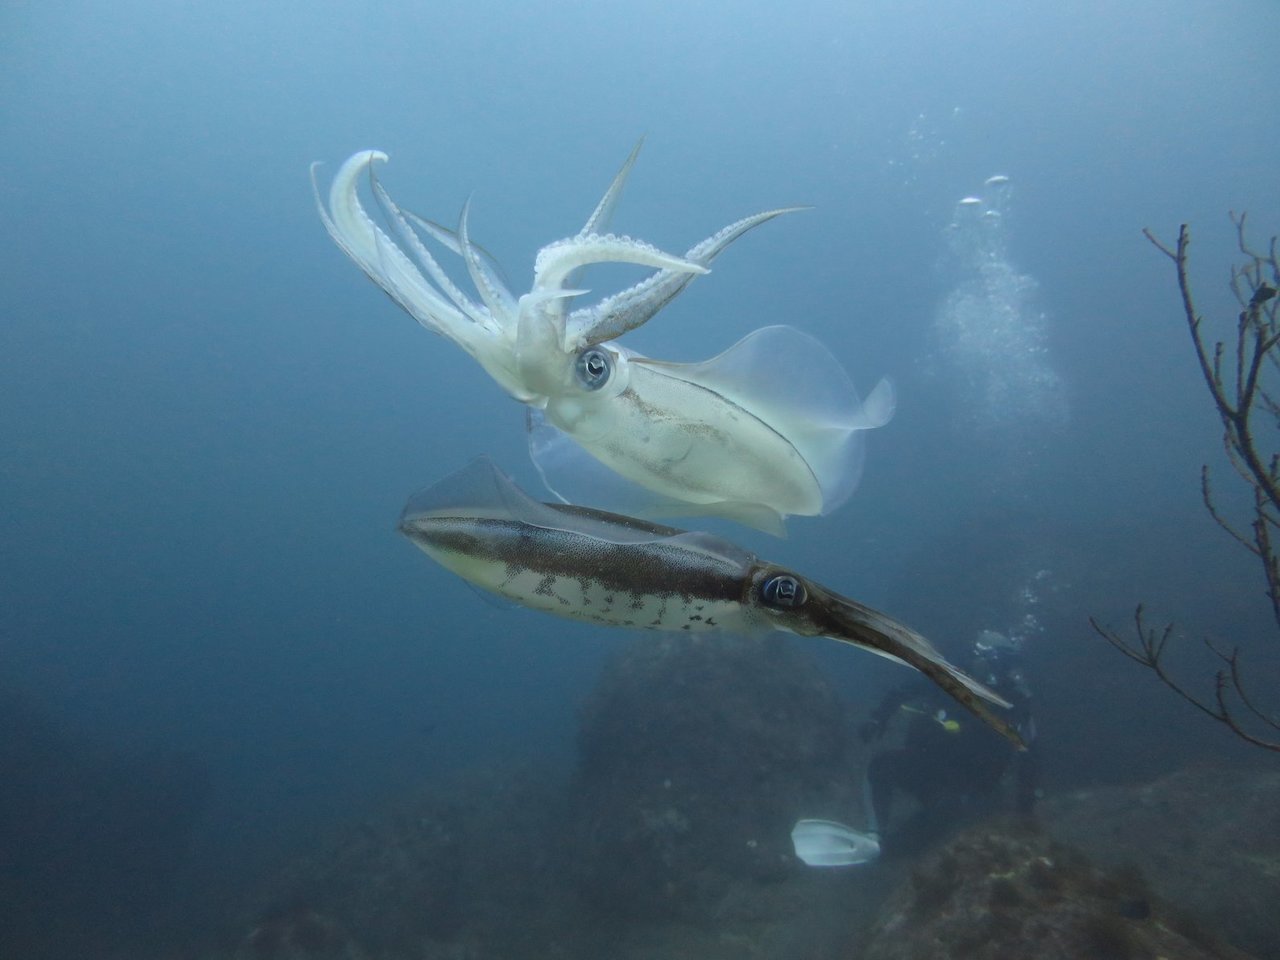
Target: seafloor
x,y
669,838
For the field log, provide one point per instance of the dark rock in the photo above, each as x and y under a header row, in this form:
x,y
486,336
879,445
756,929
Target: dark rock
x,y
1004,889
298,933
426,872
1207,837
696,756
93,840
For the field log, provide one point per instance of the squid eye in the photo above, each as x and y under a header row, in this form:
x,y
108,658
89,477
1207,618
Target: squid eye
x,y
594,368
783,591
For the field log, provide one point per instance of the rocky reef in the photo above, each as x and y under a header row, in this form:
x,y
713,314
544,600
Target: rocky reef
x,y
472,857
298,933
670,837
1208,838
696,755
93,840
1005,889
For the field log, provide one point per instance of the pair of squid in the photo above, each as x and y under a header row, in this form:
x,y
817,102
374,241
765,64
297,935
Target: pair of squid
x,y
770,427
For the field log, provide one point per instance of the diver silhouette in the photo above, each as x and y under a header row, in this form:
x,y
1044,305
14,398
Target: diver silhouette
x,y
951,766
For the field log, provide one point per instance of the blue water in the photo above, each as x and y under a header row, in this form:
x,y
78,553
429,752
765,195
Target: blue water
x,y
209,420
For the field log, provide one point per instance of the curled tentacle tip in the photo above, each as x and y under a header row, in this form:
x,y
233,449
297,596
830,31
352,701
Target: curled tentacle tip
x,y
540,295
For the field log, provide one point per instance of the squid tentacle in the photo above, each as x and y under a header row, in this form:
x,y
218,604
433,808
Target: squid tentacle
x,y
557,260
484,282
484,260
381,259
474,312
599,219
638,304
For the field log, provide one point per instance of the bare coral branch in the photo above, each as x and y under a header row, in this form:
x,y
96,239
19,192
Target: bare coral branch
x,y
1240,398
1206,495
1228,683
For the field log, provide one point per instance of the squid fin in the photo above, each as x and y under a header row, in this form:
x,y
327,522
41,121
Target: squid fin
x,y
792,382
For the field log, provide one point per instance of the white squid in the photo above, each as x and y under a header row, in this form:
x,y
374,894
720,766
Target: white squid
x,y
768,428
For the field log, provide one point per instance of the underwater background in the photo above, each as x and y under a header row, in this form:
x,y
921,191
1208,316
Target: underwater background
x,y
214,646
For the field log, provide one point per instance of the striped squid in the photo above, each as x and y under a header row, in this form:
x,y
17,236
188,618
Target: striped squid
x,y
590,565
